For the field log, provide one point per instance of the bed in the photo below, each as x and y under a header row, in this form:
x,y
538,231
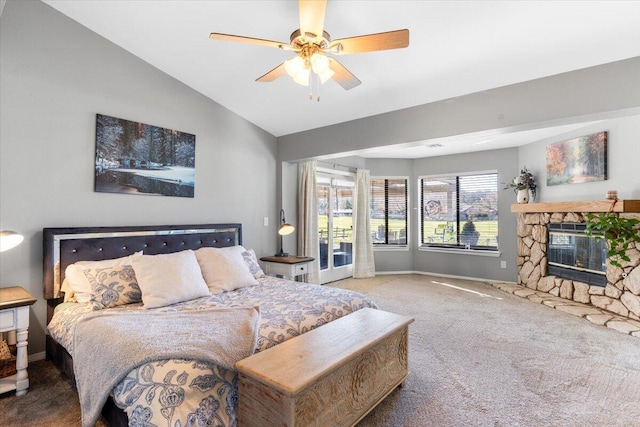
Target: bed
x,y
171,384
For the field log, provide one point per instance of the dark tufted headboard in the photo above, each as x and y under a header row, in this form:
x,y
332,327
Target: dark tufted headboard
x,y
64,246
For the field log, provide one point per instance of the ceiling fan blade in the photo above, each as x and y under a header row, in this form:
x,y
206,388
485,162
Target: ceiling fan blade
x,y
312,16
343,76
371,42
270,76
251,40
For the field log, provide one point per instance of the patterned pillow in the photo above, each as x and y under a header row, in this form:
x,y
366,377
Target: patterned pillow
x,y
78,282
113,286
252,262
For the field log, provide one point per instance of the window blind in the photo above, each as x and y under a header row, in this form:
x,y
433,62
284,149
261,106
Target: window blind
x,y
389,207
460,211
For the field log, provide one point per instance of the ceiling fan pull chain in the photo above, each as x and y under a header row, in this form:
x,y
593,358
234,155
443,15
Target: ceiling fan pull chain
x,y
319,83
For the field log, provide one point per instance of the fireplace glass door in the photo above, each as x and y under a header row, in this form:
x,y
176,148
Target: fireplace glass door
x,y
573,254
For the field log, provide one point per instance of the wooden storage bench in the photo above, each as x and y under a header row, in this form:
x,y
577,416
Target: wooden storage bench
x,y
331,376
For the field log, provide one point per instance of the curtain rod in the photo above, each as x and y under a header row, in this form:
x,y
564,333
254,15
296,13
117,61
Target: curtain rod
x,y
334,167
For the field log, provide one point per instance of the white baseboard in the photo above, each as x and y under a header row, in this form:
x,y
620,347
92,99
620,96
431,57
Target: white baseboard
x,y
37,356
450,276
385,273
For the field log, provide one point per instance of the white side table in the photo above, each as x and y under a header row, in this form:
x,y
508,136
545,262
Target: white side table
x,y
14,319
288,267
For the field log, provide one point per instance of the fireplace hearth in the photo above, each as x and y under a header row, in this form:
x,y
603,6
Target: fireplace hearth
x,y
558,227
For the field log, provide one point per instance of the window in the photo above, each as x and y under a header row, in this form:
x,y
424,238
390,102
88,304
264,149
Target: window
x,y
335,224
389,211
460,211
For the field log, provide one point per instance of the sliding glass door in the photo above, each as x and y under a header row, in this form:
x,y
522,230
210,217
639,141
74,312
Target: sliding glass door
x,y
335,226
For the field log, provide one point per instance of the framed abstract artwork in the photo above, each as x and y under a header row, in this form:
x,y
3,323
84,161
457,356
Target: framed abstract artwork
x,y
577,160
136,158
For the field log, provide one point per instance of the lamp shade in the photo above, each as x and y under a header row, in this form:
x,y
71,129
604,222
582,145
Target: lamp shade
x,y
298,70
319,63
286,229
9,239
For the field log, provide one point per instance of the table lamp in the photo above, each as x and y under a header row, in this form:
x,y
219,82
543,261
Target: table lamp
x,y
284,229
10,239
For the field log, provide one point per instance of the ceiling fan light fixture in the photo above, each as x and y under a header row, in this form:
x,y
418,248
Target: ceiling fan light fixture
x,y
298,70
319,63
302,78
311,42
320,66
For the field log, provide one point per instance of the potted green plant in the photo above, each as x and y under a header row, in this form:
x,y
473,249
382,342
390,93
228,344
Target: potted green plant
x,y
522,184
469,235
620,233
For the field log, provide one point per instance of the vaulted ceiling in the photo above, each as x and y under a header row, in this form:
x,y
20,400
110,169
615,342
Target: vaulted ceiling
x,y
456,48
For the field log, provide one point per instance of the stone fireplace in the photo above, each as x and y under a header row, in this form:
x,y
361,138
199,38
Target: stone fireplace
x,y
619,289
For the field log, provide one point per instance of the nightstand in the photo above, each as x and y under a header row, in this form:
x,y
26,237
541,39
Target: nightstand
x,y
288,267
14,318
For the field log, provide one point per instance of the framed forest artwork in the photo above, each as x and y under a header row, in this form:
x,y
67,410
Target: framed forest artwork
x,y
136,158
577,160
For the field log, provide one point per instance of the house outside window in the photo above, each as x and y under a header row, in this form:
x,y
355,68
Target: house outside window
x,y
459,211
389,211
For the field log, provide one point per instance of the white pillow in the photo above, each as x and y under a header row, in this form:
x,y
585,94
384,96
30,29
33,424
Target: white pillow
x,y
79,283
69,295
167,279
224,269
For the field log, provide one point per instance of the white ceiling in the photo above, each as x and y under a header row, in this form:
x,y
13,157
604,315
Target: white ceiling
x,y
491,140
456,48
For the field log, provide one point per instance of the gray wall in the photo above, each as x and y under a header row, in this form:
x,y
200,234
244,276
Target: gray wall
x,y
609,92
454,264
623,162
623,175
605,91
55,76
396,259
506,163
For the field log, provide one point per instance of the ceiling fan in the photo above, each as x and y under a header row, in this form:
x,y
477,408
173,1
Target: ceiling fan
x,y
311,43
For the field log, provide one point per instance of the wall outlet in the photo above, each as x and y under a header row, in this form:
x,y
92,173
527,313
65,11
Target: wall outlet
x,y
265,221
503,264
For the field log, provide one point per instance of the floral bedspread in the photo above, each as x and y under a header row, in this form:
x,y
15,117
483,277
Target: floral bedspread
x,y
180,393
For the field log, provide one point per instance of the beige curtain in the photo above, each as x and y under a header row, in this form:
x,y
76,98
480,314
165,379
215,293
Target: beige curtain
x,y
363,262
308,218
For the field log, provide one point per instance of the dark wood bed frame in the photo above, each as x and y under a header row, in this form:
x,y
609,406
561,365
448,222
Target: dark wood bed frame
x,y
64,246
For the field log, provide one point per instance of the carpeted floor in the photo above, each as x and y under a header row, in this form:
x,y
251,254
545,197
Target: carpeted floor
x,y
478,357
482,357
52,401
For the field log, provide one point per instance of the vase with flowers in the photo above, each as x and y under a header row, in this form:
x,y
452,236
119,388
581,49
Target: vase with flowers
x,y
523,185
